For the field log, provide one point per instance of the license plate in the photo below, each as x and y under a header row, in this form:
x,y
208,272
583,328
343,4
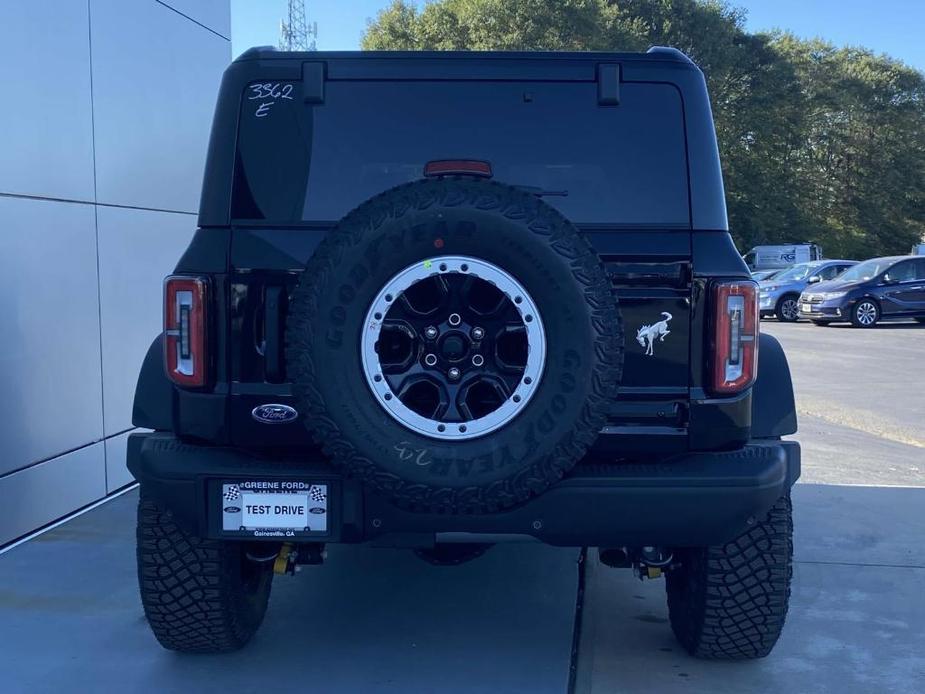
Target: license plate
x,y
274,508
807,308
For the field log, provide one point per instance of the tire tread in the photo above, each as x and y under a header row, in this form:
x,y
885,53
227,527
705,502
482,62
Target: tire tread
x,y
730,602
191,587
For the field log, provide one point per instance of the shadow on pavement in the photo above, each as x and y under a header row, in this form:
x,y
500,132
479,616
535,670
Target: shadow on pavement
x,y
383,621
883,326
856,623
369,620
888,325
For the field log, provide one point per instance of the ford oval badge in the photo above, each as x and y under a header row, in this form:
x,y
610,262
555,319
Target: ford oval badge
x,y
274,414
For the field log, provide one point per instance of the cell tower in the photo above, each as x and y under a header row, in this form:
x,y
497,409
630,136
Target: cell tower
x,y
296,34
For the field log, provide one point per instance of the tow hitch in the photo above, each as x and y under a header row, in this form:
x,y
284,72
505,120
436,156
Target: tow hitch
x,y
646,562
291,557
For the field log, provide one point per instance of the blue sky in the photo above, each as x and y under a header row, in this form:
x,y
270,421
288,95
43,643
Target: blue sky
x,y
887,26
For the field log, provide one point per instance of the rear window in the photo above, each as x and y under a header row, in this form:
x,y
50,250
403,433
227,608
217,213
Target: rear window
x,y
621,164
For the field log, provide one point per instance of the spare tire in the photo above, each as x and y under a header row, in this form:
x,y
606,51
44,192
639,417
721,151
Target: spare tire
x,y
455,343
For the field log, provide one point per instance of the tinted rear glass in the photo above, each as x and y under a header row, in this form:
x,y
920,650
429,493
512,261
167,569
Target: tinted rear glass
x,y
621,164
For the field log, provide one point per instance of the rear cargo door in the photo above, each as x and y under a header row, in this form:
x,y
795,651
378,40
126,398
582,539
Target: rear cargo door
x,y
615,166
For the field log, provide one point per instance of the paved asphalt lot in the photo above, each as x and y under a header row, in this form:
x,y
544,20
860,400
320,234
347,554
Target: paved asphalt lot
x,y
857,618
376,621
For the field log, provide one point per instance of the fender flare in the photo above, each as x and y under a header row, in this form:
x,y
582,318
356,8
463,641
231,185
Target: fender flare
x,y
773,407
153,407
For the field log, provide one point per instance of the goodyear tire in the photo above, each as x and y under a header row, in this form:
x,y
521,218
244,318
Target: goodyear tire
x,y
199,595
458,275
729,602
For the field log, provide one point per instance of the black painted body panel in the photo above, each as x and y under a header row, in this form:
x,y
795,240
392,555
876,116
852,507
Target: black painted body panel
x,y
697,499
663,409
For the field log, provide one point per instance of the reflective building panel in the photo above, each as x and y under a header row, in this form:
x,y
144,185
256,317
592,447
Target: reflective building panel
x,y
43,493
45,121
152,103
107,106
214,14
50,351
138,248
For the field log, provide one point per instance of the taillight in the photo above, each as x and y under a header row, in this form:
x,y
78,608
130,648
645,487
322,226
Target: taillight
x,y
185,306
735,343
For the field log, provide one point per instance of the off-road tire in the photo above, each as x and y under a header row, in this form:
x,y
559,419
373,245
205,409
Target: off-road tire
x,y
729,602
464,217
199,595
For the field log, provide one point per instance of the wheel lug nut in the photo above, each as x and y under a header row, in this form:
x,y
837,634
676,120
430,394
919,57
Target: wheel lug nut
x,y
453,373
477,360
454,319
430,332
477,333
430,359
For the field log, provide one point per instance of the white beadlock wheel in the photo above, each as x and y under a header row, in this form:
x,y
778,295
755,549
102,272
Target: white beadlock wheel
x,y
435,347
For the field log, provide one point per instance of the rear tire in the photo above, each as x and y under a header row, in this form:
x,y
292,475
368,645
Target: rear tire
x,y
865,314
788,309
199,595
729,602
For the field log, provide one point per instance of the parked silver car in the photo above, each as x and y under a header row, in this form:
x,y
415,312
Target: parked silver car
x,y
762,275
779,296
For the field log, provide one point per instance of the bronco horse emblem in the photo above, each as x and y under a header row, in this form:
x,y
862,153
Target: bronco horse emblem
x,y
647,334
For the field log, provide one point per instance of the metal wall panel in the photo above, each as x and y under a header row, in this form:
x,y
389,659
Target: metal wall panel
x,y
50,351
215,14
43,493
117,475
137,138
155,78
45,121
137,249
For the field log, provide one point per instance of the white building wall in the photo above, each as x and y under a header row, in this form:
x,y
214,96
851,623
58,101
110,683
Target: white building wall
x,y
104,122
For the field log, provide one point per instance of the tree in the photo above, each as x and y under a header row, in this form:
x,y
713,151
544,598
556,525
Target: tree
x,y
817,143
395,29
862,155
497,25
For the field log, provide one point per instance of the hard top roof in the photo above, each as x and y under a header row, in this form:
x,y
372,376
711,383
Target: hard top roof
x,y
656,53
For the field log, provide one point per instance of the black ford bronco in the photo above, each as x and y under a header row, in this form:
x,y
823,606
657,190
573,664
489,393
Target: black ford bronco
x,y
441,301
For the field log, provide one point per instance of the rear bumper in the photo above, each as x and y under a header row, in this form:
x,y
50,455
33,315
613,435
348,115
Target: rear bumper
x,y
693,500
824,313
